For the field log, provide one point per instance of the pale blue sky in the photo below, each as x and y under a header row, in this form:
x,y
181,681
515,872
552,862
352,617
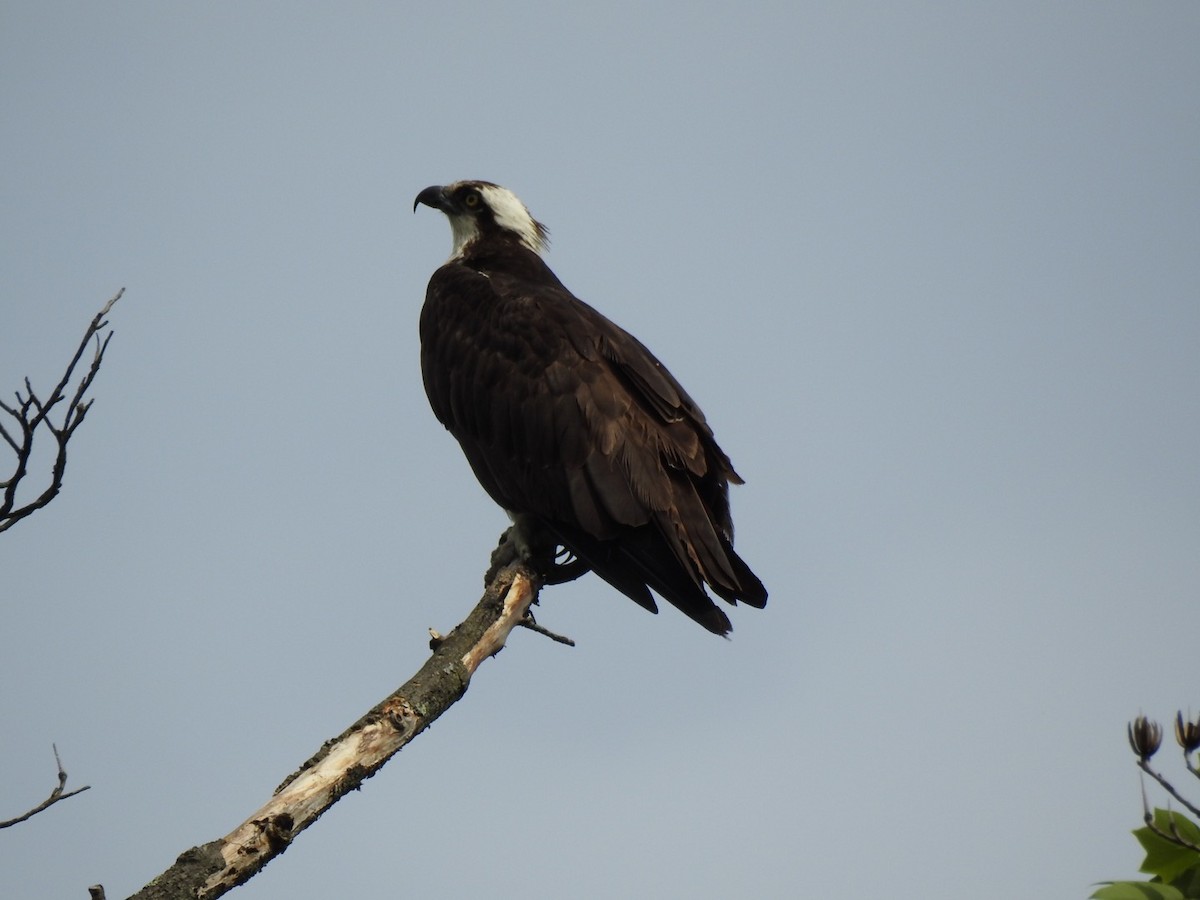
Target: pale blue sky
x,y
932,271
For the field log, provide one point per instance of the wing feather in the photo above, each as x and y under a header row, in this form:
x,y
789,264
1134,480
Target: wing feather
x,y
566,417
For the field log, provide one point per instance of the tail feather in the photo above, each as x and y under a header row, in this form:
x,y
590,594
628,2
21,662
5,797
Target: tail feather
x,y
642,560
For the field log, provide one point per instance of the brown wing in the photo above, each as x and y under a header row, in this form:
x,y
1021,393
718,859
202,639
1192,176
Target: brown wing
x,y
566,417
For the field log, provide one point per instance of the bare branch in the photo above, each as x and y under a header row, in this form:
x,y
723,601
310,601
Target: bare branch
x,y
531,623
59,793
343,763
1144,765
8,438
31,413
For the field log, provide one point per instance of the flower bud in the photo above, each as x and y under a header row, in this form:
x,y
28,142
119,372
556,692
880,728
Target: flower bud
x,y
1187,733
1145,737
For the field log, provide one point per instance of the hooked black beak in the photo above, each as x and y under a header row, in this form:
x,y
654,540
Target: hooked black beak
x,y
435,196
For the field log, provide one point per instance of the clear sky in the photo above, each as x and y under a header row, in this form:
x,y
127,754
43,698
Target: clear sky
x,y
931,269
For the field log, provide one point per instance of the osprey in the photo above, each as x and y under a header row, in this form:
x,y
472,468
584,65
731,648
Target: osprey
x,y
569,422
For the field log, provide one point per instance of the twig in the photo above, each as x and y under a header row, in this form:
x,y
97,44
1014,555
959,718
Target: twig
x,y
531,623
1173,836
59,793
1144,765
343,763
31,413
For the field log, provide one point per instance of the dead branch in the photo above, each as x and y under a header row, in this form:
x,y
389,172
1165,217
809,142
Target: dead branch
x,y
531,623
345,762
59,793
31,415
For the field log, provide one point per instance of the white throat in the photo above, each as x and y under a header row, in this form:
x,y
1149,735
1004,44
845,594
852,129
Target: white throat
x,y
463,230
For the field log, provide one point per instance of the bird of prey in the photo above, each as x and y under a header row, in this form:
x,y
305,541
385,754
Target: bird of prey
x,y
569,422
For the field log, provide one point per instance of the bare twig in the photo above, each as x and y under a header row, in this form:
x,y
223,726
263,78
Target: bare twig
x,y
343,763
59,793
531,623
31,414
1144,765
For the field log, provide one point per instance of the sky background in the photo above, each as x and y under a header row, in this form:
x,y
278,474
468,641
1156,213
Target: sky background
x,y
931,269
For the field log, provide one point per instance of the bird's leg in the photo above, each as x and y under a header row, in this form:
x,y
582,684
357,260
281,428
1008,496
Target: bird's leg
x,y
505,554
528,541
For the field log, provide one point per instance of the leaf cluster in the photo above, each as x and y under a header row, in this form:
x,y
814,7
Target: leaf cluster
x,y
1171,839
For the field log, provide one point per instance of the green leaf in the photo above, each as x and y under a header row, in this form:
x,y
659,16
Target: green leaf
x,y
1137,890
1188,882
1165,858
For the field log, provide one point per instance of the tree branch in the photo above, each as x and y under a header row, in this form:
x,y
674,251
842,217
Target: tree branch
x,y
343,763
59,793
1144,765
531,623
31,413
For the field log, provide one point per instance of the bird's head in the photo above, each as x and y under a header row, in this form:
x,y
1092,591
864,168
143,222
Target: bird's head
x,y
480,209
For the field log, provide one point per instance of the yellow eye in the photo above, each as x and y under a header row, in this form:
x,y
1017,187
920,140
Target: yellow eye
x,y
472,200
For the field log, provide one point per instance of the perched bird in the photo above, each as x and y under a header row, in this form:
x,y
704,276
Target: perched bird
x,y
569,422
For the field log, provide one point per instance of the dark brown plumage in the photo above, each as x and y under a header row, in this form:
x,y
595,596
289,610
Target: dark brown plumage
x,y
569,421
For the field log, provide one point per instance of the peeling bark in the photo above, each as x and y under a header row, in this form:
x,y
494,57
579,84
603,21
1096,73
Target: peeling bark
x,y
345,762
